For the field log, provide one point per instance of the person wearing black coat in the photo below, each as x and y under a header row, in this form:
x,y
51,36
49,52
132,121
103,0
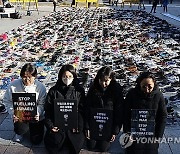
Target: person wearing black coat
x,y
145,95
105,93
56,139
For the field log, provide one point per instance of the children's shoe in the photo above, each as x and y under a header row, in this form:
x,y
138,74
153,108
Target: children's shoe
x,y
2,109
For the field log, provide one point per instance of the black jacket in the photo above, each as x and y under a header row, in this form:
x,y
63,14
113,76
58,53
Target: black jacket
x,y
136,99
111,98
57,139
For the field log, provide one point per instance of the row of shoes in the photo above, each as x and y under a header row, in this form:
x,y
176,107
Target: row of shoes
x,y
130,41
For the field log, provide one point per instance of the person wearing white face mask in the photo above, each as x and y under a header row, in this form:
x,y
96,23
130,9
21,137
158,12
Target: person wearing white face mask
x,y
67,81
59,140
27,84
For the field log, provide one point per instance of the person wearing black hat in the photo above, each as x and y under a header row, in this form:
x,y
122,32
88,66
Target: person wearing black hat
x,y
146,96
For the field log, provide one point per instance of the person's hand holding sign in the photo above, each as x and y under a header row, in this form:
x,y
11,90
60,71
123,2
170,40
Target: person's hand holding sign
x,y
113,138
55,129
37,117
88,134
15,118
75,130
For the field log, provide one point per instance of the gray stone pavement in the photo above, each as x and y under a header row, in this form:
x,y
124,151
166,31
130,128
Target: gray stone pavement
x,y
7,146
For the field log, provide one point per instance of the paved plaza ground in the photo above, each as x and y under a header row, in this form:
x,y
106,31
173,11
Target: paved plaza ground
x,y
44,9
7,146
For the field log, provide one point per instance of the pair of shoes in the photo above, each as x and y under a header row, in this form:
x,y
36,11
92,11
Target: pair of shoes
x,y
18,138
2,109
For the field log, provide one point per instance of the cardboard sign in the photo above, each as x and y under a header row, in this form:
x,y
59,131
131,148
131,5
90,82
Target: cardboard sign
x,y
66,114
101,124
142,122
25,106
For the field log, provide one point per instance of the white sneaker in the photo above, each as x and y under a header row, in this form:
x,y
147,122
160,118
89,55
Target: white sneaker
x,y
18,138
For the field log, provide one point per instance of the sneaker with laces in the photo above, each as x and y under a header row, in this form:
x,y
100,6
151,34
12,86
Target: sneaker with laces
x,y
18,138
2,109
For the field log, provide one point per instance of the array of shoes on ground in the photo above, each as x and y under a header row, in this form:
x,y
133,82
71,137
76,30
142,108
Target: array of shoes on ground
x,y
128,41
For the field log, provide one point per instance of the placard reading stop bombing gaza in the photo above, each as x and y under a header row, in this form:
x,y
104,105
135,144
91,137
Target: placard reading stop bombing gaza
x,y
101,124
142,122
25,106
66,114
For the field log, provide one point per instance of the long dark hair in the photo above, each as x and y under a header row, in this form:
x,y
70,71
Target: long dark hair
x,y
63,69
145,75
28,68
105,71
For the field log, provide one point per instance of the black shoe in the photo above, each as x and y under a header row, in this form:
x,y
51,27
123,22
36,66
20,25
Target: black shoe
x,y
170,109
174,98
2,109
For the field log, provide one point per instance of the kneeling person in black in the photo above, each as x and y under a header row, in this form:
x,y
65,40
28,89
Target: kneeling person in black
x,y
105,94
57,139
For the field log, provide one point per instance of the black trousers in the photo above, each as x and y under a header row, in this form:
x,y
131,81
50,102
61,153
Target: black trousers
x,y
100,146
54,4
65,148
141,148
36,130
73,3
